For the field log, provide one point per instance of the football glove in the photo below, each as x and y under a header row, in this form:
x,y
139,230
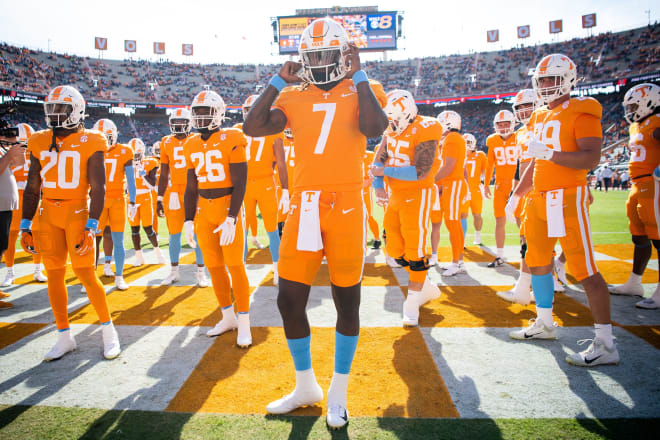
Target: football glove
x,y
189,227
539,150
88,237
284,201
227,231
510,208
27,241
132,211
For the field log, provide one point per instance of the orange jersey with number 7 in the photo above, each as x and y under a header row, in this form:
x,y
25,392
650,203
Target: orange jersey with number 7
x,y
115,177
475,164
171,153
64,173
329,145
211,158
502,157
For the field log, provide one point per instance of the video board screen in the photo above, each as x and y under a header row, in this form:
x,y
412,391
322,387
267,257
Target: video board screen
x,y
371,31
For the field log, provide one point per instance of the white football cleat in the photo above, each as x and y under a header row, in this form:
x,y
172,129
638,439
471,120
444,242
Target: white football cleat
x,y
82,289
295,400
477,238
244,338
120,284
560,269
429,292
159,256
139,259
628,289
39,276
172,277
107,270
596,354
433,261
276,276
648,303
411,309
453,269
516,295
337,416
65,343
227,323
256,243
111,348
9,278
536,330
558,287
202,281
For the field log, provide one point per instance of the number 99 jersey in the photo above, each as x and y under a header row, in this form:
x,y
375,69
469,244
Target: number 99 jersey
x,y
64,173
211,158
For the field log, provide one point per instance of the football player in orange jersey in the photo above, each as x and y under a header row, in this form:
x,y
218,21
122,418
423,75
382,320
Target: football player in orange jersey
x,y
118,172
475,167
171,190
451,181
405,157
66,165
217,177
368,202
503,158
641,104
20,174
154,153
290,160
566,144
262,153
330,115
145,180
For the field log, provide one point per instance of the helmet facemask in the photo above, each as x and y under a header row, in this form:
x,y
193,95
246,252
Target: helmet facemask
x,y
58,115
206,118
549,93
179,126
523,111
322,66
504,128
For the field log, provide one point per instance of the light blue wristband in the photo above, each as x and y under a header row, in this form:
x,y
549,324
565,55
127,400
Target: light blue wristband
x,y
378,182
359,77
25,225
92,224
402,173
277,82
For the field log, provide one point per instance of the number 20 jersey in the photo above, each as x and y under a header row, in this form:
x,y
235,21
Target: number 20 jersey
x,y
329,145
64,173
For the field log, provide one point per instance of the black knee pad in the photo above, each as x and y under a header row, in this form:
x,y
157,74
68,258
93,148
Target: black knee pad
x,y
523,250
419,265
401,261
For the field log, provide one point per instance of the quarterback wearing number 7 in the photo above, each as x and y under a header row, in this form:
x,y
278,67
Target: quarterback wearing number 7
x,y
330,115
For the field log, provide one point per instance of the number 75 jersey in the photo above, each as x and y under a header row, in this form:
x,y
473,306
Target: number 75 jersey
x,y
64,173
325,125
211,158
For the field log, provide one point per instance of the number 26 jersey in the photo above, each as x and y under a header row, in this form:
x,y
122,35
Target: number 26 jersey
x,y
211,158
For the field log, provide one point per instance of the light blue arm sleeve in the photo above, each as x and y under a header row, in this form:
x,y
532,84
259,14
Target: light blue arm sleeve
x,y
402,173
378,182
130,180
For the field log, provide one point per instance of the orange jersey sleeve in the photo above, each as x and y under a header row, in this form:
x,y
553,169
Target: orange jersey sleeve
x,y
401,150
454,146
64,173
557,128
21,173
644,148
329,144
115,176
171,153
211,158
502,157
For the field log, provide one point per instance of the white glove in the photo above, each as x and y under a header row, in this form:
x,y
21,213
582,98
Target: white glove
x,y
284,201
189,227
227,231
132,211
539,150
510,208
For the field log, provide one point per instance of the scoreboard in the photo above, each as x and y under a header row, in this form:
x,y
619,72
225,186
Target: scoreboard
x,y
369,31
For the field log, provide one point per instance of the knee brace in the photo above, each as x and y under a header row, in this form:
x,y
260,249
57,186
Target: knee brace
x,y
523,250
135,230
149,231
419,265
401,261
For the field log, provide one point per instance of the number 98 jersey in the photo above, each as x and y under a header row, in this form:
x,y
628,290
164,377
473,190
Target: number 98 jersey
x,y
211,158
64,173
329,145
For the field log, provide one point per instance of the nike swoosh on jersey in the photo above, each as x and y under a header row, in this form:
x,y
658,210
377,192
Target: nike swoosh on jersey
x,y
409,200
344,95
74,146
346,211
78,211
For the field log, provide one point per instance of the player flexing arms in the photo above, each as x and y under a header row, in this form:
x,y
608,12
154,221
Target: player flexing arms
x,y
145,179
171,190
570,137
330,116
641,104
66,164
453,187
475,166
118,171
20,174
502,157
262,152
217,176
405,157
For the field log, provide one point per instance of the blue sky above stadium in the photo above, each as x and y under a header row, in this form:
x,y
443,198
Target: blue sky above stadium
x,y
240,32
